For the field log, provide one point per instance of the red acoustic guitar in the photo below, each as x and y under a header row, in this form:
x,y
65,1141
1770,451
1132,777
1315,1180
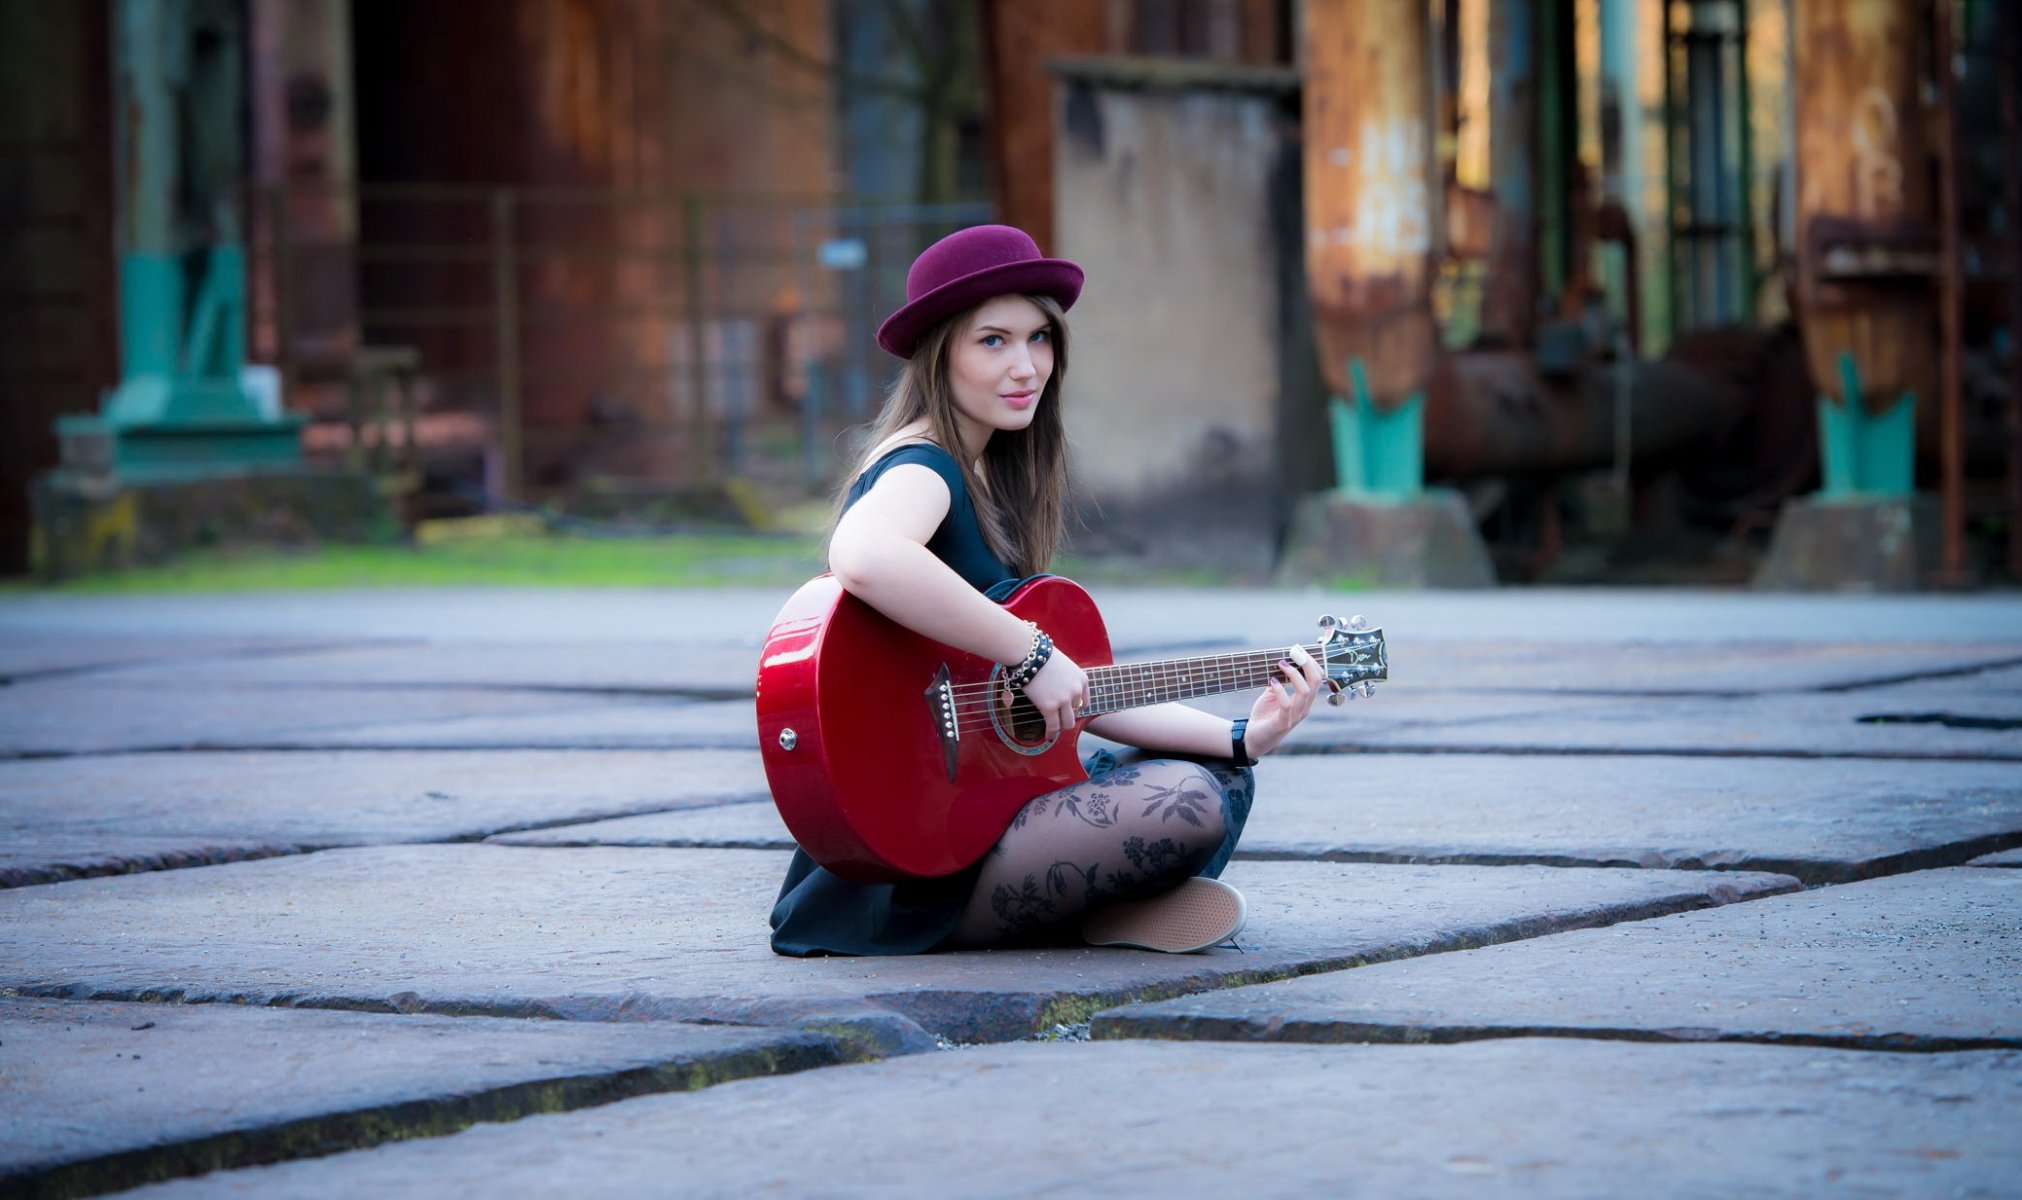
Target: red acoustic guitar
x,y
893,756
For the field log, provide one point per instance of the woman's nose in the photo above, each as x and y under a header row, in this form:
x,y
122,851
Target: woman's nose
x,y
1021,363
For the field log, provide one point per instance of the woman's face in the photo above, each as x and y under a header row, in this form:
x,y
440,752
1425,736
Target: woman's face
x,y
998,367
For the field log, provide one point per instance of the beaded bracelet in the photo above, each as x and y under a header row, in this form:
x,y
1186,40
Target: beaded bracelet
x,y
1028,667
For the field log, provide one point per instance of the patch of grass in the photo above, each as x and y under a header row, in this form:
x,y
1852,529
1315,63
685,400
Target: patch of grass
x,y
689,560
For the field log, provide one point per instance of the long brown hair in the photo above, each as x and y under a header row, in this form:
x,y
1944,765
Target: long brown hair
x,y
1019,486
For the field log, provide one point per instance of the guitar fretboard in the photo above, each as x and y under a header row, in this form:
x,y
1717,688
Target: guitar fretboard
x,y
1135,685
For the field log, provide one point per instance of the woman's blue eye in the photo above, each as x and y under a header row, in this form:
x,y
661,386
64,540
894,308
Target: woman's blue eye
x,y
991,340
1040,335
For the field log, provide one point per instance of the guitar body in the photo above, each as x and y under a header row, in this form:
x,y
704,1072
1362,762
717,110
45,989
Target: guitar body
x,y
853,739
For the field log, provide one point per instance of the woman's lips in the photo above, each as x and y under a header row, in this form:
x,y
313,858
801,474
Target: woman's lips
x,y
1021,399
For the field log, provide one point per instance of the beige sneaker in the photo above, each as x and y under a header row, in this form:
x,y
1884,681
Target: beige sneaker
x,y
1197,914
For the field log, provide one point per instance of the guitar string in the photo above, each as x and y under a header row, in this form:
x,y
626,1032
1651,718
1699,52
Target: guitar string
x,y
1250,670
1248,660
975,711
977,706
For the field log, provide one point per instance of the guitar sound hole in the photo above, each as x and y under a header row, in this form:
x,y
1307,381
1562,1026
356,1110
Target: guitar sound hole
x,y
1022,720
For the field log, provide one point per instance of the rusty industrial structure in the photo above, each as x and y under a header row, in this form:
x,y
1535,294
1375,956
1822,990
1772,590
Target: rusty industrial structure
x,y
1635,280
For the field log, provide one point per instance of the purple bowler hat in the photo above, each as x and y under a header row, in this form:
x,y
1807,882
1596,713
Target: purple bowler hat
x,y
968,267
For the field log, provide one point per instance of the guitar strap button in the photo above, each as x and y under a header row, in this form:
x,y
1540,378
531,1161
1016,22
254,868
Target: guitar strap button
x,y
788,739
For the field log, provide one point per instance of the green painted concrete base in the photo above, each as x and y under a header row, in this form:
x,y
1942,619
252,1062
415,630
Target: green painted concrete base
x,y
1427,540
1853,544
87,523
185,450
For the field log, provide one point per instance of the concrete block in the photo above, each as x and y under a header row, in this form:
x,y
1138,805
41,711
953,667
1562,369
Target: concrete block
x,y
1426,541
2005,858
87,524
1927,962
1526,1117
1853,544
625,933
109,1096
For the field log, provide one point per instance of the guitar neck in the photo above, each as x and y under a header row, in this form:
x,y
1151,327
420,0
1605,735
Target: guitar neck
x,y
1136,685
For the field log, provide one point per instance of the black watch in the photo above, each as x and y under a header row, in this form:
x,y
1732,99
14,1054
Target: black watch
x,y
1238,748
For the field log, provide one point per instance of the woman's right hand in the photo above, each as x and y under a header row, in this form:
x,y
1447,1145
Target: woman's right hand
x,y
1060,688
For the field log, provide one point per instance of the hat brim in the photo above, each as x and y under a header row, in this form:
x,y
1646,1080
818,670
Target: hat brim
x,y
1055,277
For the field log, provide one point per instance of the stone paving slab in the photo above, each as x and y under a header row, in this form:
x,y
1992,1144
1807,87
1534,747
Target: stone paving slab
x,y
27,658
1808,725
614,933
733,724
1686,668
1928,961
66,818
754,826
1524,1117
712,670
105,1096
1135,615
1821,820
603,725
2005,858
717,670
80,717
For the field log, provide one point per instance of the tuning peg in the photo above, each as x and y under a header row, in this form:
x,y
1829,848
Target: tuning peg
x,y
1368,689
1336,698
1356,623
1330,627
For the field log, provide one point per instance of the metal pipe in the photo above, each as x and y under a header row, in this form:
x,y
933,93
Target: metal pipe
x,y
2010,34
1490,413
1369,182
505,279
701,461
1951,434
1866,250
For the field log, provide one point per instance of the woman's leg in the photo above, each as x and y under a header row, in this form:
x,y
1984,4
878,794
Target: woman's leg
x,y
1131,830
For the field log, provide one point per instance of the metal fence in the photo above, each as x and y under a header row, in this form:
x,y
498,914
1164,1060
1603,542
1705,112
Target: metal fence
x,y
568,336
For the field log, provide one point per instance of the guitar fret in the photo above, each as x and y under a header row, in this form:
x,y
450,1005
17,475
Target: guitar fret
x,y
1132,685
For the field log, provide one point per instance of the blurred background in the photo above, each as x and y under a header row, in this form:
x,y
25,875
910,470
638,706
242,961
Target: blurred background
x,y
1439,292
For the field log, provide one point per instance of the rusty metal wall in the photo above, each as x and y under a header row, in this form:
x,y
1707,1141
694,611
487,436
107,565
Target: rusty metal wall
x,y
59,346
1865,211
1019,37
598,115
1369,191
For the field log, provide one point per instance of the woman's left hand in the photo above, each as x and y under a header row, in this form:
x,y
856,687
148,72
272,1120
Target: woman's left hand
x,y
1284,703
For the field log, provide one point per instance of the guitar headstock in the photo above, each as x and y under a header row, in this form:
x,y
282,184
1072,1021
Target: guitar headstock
x,y
1353,656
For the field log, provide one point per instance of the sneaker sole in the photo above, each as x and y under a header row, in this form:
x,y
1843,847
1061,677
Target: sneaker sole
x,y
1197,914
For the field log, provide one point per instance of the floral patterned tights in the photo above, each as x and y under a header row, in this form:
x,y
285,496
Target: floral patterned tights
x,y
1133,829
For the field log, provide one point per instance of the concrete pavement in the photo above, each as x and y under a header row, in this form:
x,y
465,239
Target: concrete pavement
x,y
285,878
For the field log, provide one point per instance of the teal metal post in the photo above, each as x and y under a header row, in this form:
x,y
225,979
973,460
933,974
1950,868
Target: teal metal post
x,y
1377,455
1864,454
180,409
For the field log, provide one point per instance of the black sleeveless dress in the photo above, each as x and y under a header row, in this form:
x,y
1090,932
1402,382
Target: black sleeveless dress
x,y
818,912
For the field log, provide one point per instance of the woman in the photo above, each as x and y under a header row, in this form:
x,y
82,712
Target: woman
x,y
963,488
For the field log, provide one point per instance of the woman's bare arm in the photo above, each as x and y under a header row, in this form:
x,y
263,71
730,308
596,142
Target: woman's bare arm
x,y
1179,729
879,554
